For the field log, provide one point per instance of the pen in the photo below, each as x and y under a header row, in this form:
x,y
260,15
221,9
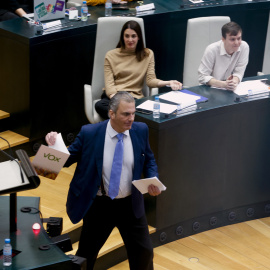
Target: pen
x,y
231,76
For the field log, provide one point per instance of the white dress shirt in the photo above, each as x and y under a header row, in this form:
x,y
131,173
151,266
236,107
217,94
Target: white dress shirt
x,y
128,162
217,63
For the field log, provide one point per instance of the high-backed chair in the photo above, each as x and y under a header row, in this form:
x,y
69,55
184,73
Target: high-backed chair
x,y
73,3
108,34
266,58
201,32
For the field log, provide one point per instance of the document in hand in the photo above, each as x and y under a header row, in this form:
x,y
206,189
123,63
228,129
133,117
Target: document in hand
x,y
50,160
256,86
142,184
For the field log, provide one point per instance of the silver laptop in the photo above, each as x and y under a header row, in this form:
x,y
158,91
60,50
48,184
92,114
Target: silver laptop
x,y
45,10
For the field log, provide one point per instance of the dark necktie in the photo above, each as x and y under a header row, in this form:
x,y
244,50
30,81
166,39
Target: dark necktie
x,y
116,167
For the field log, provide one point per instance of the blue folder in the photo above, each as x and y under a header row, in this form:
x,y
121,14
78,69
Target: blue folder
x,y
202,99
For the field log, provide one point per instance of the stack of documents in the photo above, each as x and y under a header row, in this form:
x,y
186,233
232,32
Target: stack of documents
x,y
177,97
143,184
256,86
164,107
186,100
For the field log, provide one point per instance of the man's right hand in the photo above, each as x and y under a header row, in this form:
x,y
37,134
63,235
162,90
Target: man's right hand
x,y
51,138
231,83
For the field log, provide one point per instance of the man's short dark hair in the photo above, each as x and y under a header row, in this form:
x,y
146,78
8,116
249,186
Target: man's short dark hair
x,y
230,28
116,99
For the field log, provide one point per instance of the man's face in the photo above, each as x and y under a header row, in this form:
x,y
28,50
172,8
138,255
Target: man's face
x,y
124,117
232,43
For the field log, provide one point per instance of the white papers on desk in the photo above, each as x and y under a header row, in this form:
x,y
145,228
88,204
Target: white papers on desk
x,y
256,86
52,24
218,88
10,175
164,107
196,1
29,15
142,184
178,97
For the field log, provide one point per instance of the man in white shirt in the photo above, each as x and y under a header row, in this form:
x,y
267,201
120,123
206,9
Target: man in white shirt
x,y
224,62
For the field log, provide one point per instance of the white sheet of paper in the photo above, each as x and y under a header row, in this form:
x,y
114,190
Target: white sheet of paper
x,y
218,88
142,184
178,97
51,24
196,1
10,175
73,14
30,15
164,108
256,86
59,144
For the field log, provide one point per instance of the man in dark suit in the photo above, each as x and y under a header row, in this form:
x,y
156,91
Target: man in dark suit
x,y
89,194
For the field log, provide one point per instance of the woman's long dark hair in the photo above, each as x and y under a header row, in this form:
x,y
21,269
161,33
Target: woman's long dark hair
x,y
140,51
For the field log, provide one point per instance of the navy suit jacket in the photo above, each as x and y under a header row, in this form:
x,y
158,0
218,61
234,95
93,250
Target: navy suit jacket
x,y
87,151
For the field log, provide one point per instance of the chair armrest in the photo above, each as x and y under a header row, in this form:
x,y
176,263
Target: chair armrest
x,y
97,117
153,91
72,4
89,105
88,102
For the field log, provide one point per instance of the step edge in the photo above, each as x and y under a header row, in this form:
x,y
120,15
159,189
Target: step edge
x,y
4,114
17,142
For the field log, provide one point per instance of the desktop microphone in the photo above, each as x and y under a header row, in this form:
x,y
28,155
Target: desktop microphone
x,y
237,99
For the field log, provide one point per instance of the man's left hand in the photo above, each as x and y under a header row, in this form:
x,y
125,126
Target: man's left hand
x,y
153,190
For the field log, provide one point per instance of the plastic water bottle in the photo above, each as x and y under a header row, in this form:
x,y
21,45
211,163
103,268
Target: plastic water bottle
x,y
7,253
84,12
156,111
108,8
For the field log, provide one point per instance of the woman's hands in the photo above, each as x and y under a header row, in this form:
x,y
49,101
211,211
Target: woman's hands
x,y
175,85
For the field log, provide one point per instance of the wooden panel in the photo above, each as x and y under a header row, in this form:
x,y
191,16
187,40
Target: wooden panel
x,y
13,138
4,114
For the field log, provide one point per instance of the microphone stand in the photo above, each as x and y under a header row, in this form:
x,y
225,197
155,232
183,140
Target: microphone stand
x,y
13,212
